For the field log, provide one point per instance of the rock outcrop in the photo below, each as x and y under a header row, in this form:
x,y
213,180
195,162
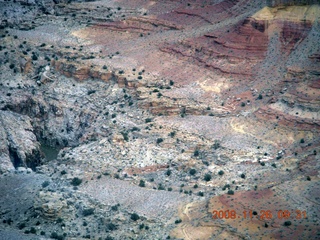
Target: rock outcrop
x,y
19,147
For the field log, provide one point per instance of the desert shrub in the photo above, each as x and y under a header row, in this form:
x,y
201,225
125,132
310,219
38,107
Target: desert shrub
x,y
177,221
200,194
141,226
243,176
125,136
172,134
63,172
287,223
230,192
225,187
159,140
134,217
45,184
33,230
135,129
148,120
168,172
34,57
21,226
111,227
115,208
221,172
87,212
76,181
216,145
196,153
207,177
192,171
142,183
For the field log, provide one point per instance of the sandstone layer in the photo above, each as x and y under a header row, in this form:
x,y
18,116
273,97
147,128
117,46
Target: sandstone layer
x,y
139,119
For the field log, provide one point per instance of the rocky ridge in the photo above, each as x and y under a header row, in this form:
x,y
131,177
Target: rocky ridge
x,y
180,107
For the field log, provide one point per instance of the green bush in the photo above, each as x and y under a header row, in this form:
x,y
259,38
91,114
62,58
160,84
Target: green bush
x,y
207,177
142,183
192,171
230,192
200,194
45,184
177,221
134,217
76,181
287,223
196,153
221,172
88,212
111,227
148,120
33,230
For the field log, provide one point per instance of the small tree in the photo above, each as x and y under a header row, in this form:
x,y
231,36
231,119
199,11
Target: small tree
x,y
134,217
142,183
207,177
76,181
192,171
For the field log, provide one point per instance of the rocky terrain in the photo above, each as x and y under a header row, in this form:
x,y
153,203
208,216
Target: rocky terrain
x,y
142,119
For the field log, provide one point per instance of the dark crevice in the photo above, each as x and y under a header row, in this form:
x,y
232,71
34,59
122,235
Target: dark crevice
x,y
15,159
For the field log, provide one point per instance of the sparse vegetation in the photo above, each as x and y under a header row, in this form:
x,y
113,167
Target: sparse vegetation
x,y
142,183
207,177
230,192
87,212
45,184
196,153
76,181
148,120
134,217
287,223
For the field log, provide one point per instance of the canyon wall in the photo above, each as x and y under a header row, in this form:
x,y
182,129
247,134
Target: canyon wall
x,y
274,3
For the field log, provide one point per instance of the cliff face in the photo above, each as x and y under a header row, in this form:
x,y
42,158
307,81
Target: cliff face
x,y
215,101
275,3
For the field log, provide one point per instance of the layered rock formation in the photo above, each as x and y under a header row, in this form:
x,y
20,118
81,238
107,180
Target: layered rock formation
x,y
191,107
